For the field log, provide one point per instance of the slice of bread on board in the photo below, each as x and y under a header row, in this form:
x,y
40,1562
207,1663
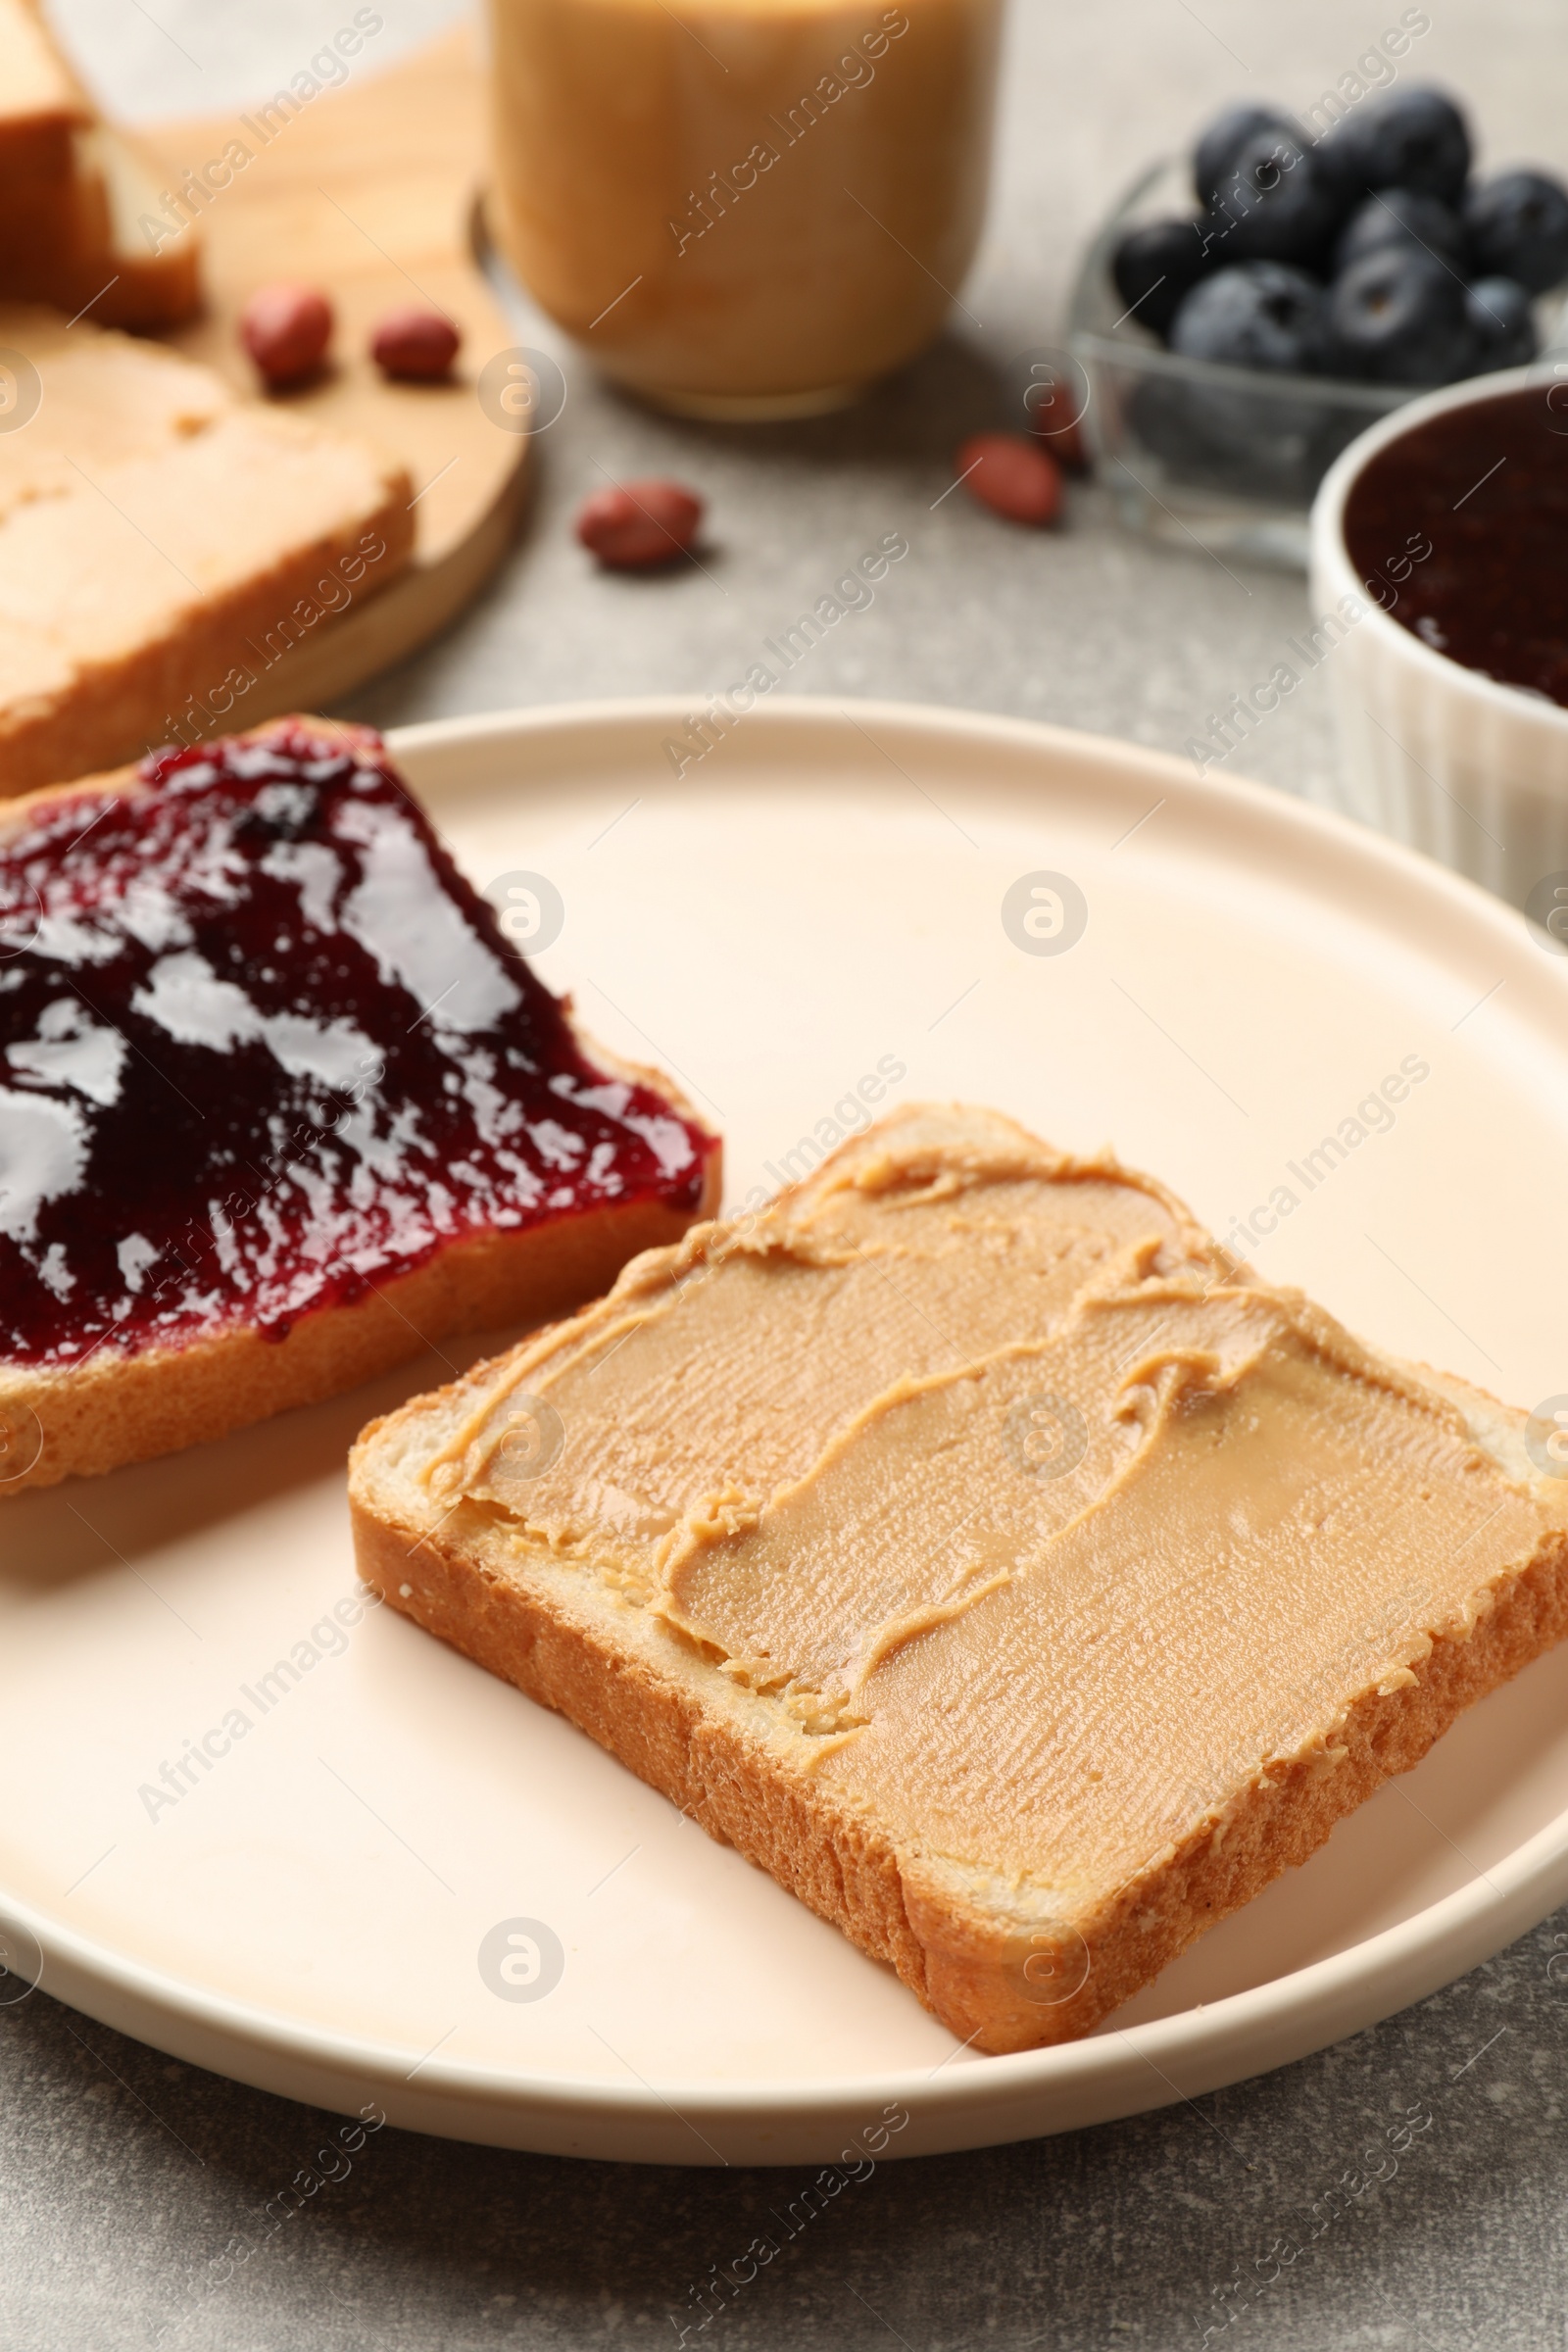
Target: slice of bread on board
x,y
982,1551
163,546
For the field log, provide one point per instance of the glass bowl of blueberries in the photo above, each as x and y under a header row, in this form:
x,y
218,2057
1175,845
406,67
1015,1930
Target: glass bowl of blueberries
x,y
1240,320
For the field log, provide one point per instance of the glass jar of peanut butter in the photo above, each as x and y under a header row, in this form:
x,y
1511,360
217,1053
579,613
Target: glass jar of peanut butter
x,y
743,208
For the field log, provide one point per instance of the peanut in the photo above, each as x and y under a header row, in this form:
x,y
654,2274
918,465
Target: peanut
x,y
1012,475
633,526
416,344
286,330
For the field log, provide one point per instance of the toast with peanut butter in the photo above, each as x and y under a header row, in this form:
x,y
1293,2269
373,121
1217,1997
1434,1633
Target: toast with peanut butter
x,y
979,1548
163,546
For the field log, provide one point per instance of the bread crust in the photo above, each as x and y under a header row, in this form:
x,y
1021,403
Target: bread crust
x,y
649,1704
87,1418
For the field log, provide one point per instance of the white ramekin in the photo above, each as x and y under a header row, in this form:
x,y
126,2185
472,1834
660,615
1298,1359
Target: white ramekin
x,y
1474,773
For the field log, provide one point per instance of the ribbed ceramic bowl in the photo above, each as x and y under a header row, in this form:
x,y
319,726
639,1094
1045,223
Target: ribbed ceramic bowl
x,y
1440,756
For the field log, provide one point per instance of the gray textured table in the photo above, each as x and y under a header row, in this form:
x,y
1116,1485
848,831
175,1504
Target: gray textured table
x,y
123,2176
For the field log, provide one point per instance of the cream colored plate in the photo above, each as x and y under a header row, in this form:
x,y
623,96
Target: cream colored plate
x,y
819,894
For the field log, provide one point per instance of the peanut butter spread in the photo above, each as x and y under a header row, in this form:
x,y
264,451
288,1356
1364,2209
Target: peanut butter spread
x,y
104,400
1047,1530
163,545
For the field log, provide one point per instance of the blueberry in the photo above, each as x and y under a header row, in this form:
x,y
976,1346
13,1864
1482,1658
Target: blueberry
x,y
1518,224
1501,323
1154,266
1398,317
1272,204
1247,436
1401,217
1415,140
1214,159
1256,315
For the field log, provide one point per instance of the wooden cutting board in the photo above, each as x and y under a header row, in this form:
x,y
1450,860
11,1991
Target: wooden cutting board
x,y
368,192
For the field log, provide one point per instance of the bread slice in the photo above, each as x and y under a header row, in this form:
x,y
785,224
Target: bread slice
x,y
43,109
73,193
38,90
163,546
281,1104
973,1544
106,401
119,277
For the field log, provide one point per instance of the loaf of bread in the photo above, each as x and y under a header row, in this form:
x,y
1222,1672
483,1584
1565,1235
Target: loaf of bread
x,y
163,546
974,1545
73,191
281,1104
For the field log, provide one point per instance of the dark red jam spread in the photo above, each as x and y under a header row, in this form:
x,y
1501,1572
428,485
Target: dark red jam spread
x,y
1488,484
263,1047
